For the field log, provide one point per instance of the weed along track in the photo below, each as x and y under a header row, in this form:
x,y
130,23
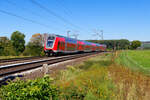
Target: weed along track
x,y
6,70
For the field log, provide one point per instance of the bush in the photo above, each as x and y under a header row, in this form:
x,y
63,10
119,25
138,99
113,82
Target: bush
x,y
39,89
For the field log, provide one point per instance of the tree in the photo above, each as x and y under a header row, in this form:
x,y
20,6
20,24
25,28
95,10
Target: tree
x,y
35,46
18,42
37,39
135,44
6,48
123,44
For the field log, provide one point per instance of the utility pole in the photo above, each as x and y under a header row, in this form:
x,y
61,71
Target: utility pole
x,y
68,34
99,33
102,34
76,36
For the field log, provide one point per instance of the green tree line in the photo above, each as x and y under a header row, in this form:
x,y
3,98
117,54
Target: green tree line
x,y
119,44
15,46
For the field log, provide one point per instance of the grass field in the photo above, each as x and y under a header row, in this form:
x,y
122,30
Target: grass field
x,y
141,57
146,46
136,59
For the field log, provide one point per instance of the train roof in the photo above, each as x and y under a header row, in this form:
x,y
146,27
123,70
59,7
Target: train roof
x,y
65,37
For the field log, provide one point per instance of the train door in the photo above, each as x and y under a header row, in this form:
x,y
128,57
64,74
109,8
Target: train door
x,y
61,46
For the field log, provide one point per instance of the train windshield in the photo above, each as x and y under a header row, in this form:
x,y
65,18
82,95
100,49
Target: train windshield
x,y
50,41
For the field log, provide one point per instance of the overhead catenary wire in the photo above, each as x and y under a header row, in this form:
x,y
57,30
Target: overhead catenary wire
x,y
33,13
26,9
53,13
56,15
66,10
23,18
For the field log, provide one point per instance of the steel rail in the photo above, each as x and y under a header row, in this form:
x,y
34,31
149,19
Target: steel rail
x,y
18,59
19,67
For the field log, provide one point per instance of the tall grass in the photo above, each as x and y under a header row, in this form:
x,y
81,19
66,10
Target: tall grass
x,y
132,80
89,81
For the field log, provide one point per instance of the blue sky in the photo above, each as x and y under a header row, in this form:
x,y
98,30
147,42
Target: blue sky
x,y
119,19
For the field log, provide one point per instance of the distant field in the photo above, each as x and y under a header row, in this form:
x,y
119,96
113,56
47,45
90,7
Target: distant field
x,y
146,46
142,58
135,58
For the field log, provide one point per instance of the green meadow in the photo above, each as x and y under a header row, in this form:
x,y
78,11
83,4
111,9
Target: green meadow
x,y
135,59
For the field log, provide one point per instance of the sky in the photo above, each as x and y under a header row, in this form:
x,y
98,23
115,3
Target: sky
x,y
119,19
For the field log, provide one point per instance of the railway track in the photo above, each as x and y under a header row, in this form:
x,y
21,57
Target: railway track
x,y
15,60
6,70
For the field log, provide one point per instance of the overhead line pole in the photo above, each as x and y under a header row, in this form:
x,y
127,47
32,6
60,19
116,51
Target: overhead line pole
x,y
68,34
102,34
99,33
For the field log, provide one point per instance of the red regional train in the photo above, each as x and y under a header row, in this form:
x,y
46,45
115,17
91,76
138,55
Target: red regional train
x,y
56,44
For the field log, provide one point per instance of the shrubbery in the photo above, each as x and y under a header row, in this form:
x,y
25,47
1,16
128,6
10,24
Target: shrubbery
x,y
39,89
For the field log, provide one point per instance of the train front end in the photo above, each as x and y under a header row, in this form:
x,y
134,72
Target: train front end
x,y
49,45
